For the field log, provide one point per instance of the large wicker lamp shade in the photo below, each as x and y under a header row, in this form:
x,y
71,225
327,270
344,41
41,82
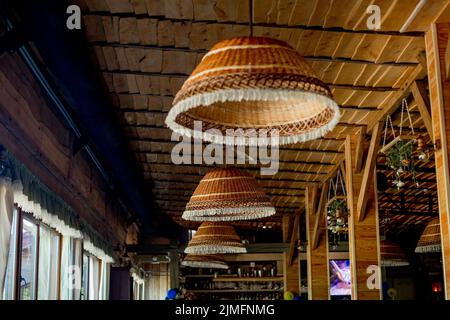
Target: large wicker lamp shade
x,y
214,261
215,238
430,240
392,255
228,194
253,83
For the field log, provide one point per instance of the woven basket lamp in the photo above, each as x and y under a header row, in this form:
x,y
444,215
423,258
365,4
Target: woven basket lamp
x,y
214,261
430,240
228,194
253,84
392,255
215,238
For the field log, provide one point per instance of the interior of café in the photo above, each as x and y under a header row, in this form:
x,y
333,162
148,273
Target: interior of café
x,y
225,150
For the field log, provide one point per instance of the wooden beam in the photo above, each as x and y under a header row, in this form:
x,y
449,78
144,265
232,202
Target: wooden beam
x,y
436,41
294,239
364,246
369,170
360,149
319,215
447,60
423,103
317,259
395,99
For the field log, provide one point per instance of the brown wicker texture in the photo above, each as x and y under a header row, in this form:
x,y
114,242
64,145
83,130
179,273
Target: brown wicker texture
x,y
215,238
214,261
254,83
430,240
228,194
392,255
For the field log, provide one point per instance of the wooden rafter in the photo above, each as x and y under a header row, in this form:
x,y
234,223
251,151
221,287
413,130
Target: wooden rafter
x,y
423,103
319,214
368,170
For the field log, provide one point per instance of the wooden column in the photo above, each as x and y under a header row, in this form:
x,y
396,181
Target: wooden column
x,y
291,275
317,251
436,40
364,242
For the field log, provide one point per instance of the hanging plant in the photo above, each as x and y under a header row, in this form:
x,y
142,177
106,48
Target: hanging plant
x,y
337,216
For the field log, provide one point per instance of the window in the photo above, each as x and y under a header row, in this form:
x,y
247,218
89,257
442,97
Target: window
x,y
28,260
94,278
85,277
48,282
10,283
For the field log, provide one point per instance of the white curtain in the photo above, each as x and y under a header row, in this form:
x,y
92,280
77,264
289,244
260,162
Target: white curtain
x,y
94,278
104,281
78,262
66,269
6,217
48,264
45,245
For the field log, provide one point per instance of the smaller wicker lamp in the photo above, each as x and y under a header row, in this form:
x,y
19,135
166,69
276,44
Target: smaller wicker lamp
x,y
215,238
392,255
430,240
214,261
228,194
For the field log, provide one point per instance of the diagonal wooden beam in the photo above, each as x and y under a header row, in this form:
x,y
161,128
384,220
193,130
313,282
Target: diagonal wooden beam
x,y
294,238
369,170
320,211
421,98
359,149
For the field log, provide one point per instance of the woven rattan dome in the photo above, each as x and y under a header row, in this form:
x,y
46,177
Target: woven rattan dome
x,y
253,83
214,238
214,261
228,194
430,240
392,255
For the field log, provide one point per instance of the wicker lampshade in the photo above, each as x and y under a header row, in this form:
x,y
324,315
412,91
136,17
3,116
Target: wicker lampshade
x,y
392,255
228,194
214,261
214,238
253,83
430,240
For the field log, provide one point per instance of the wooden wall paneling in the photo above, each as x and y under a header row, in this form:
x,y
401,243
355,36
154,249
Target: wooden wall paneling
x,y
436,40
317,258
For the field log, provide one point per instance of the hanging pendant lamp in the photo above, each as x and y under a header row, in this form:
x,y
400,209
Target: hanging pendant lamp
x,y
252,85
215,238
228,194
430,240
214,261
392,255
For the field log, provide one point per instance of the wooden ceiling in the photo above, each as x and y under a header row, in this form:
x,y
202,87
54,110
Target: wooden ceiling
x,y
145,49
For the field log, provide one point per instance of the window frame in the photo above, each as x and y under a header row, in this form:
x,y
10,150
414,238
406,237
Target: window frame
x,y
18,257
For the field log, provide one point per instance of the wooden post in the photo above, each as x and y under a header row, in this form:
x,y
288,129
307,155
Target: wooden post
x,y
436,40
317,257
364,242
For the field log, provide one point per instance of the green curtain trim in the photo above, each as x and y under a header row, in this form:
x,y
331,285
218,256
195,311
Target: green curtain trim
x,y
97,239
37,192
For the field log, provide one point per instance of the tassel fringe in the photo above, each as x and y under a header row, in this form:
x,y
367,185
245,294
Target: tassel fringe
x,y
209,98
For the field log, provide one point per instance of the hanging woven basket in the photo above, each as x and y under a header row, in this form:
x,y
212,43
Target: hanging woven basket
x,y
215,238
430,240
392,255
214,261
251,84
228,194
